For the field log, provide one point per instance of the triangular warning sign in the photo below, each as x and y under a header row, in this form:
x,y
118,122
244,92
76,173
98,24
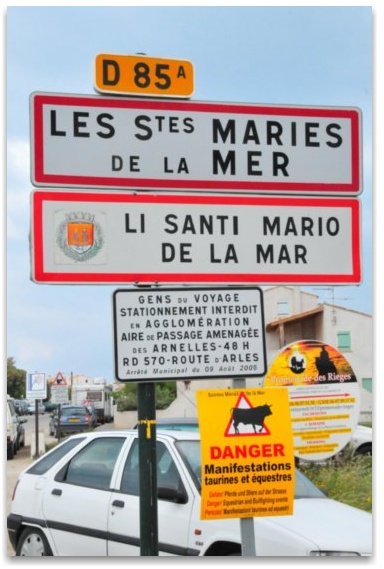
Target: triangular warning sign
x,y
59,380
247,420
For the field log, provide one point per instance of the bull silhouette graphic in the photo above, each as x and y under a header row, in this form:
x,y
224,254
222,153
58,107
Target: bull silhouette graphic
x,y
254,416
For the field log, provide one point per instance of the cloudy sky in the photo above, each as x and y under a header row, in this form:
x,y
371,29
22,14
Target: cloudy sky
x,y
294,55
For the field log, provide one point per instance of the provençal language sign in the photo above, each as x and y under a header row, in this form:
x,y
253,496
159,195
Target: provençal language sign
x,y
109,142
191,333
125,238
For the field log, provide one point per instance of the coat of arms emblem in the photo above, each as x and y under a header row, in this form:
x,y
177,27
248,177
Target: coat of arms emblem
x,y
80,236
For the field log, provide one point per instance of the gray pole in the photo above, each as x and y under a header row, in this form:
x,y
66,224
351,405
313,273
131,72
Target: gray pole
x,y
247,526
149,542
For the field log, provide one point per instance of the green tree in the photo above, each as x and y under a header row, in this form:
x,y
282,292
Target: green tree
x,y
126,398
16,378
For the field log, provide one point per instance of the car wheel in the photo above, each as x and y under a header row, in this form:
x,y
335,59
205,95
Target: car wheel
x,y
33,543
364,450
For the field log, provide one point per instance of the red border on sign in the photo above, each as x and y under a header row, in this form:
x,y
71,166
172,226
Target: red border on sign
x,y
40,275
40,178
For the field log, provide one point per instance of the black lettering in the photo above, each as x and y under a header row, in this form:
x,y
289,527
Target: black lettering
x,y
111,72
181,72
101,121
338,139
229,130
279,162
224,164
274,131
252,163
54,131
78,124
264,255
311,133
117,163
167,252
251,133
169,220
139,120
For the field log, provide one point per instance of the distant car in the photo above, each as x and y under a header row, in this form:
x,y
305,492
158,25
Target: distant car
x,y
21,406
32,408
93,414
73,419
82,499
49,406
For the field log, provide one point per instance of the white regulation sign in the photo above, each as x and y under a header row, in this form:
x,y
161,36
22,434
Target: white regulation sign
x,y
125,238
188,333
109,142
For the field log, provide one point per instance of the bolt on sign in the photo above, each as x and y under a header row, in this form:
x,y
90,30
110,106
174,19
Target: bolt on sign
x,y
247,460
116,142
99,238
188,333
143,75
324,397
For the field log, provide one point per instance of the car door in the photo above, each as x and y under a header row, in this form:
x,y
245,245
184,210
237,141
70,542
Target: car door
x,y
173,518
76,502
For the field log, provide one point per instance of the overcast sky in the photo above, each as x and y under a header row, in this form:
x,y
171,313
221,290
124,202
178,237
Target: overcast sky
x,y
294,55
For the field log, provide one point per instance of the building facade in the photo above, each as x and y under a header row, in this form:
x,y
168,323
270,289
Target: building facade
x,y
292,315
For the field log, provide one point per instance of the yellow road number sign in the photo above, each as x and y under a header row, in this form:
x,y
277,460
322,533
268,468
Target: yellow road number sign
x,y
142,75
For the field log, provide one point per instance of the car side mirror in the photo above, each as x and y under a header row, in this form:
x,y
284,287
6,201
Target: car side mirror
x,y
177,495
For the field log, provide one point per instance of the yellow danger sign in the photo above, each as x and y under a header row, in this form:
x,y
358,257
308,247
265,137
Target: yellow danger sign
x,y
248,467
142,75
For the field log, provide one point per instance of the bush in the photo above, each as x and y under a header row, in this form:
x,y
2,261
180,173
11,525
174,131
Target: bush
x,y
348,480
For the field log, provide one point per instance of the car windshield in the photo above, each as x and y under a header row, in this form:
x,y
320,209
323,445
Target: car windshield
x,y
66,411
190,453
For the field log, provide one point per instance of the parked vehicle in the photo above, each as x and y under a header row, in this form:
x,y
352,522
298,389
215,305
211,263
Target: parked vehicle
x,y
93,415
71,419
21,406
32,407
97,394
361,440
49,406
82,499
12,429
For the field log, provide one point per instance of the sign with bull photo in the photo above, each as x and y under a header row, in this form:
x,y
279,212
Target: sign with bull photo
x,y
247,458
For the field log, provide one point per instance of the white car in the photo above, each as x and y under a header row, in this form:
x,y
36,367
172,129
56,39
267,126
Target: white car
x,y
82,499
361,441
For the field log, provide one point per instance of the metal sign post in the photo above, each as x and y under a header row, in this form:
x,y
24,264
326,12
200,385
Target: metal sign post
x,y
147,466
247,526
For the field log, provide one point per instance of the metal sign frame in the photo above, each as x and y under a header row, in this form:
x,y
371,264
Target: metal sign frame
x,y
120,143
188,333
194,239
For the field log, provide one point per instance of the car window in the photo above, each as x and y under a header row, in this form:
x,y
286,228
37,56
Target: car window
x,y
94,464
167,472
73,411
45,463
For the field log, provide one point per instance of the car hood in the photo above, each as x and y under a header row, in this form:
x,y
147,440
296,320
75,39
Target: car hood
x,y
330,525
